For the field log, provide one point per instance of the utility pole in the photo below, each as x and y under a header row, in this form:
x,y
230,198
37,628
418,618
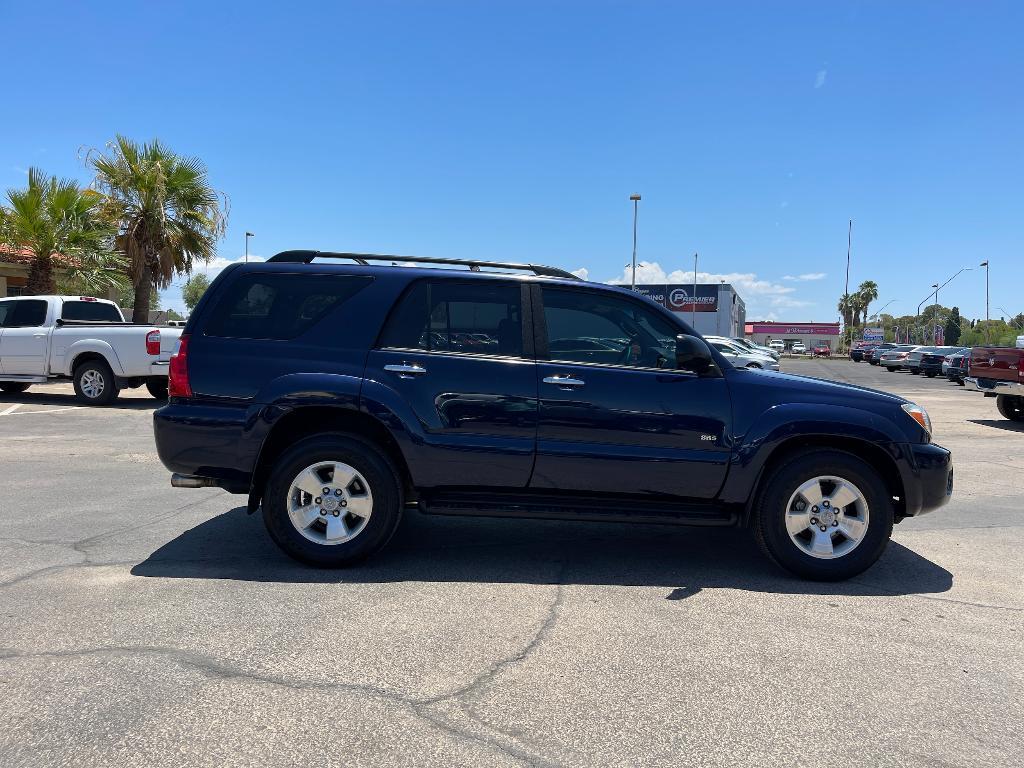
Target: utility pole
x,y
635,199
693,305
985,265
247,236
846,292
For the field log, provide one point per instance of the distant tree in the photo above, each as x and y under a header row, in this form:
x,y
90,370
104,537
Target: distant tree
x,y
845,307
867,292
126,297
172,315
953,329
54,217
166,214
194,289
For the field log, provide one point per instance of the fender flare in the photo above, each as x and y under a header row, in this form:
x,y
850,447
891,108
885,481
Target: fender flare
x,y
96,346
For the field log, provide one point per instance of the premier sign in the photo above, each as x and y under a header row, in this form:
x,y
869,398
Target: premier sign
x,y
682,298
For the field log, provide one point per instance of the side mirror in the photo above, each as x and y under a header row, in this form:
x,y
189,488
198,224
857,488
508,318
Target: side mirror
x,y
692,354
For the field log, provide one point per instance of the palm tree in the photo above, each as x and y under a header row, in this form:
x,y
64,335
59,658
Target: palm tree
x,y
56,222
868,292
846,309
166,213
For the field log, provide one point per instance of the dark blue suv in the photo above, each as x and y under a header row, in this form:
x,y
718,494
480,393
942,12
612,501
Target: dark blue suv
x,y
338,389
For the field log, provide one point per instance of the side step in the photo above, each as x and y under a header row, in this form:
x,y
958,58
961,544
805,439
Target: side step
x,y
558,507
19,378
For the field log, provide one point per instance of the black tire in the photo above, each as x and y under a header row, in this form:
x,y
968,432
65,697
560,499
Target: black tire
x,y
108,392
1011,407
930,374
13,387
157,387
381,476
769,512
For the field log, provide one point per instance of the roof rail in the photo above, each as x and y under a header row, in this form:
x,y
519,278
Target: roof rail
x,y
306,257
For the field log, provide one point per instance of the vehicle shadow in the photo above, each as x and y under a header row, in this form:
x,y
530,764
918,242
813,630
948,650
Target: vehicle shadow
x,y
55,399
1009,426
682,560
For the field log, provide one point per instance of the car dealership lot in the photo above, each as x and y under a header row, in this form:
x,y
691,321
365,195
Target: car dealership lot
x,y
149,626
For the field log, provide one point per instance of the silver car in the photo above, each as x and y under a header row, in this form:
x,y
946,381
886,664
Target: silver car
x,y
896,358
741,357
746,344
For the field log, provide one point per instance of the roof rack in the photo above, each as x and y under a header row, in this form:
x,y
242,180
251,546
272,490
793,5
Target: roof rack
x,y
306,257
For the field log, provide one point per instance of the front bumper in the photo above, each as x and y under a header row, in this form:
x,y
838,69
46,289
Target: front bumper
x,y
993,387
927,478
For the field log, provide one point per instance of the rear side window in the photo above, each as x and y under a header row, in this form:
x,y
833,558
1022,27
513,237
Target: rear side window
x,y
26,314
268,306
441,316
6,310
93,311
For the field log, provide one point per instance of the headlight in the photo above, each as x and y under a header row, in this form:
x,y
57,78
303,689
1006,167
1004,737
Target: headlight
x,y
920,415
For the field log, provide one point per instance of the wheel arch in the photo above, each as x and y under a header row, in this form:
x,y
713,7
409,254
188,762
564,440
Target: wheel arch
x,y
310,420
865,450
84,352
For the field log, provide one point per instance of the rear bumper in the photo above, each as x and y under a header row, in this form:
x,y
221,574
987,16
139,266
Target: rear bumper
x,y
159,369
927,478
994,386
207,441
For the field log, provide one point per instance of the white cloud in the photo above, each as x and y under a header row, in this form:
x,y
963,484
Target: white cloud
x,y
819,79
581,273
759,295
806,276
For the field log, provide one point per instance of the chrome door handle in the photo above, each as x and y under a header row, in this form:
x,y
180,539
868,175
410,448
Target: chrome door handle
x,y
564,381
406,371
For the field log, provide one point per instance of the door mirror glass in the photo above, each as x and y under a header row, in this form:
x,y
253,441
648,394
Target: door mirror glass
x,y
692,354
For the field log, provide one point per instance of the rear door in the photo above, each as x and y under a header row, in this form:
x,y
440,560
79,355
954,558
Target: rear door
x,y
454,352
623,420
23,345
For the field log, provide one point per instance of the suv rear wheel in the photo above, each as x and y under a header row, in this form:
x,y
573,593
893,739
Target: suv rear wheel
x,y
332,500
824,515
95,383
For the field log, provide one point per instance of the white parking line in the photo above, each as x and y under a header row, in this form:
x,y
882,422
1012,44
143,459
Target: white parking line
x,y
11,409
30,413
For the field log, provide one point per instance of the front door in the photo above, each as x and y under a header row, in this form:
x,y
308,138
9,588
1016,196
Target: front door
x,y
23,344
615,415
453,355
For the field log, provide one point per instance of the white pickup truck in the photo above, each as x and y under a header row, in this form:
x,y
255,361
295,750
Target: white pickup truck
x,y
46,338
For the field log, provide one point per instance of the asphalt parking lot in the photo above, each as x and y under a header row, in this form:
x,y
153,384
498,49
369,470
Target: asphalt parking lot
x,y
143,625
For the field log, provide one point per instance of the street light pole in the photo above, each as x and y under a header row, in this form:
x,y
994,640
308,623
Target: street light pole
x,y
985,265
247,236
635,199
693,305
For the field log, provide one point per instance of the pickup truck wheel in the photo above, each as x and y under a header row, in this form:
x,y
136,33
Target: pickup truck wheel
x,y
824,515
13,387
332,500
1011,407
95,383
157,387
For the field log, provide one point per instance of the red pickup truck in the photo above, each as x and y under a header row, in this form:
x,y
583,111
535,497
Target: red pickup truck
x,y
999,373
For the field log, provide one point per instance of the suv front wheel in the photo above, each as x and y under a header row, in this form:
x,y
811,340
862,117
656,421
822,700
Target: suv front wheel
x,y
824,515
332,500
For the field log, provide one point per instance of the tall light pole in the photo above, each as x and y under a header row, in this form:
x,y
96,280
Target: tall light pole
x,y
693,304
846,293
985,265
878,314
247,236
938,287
635,199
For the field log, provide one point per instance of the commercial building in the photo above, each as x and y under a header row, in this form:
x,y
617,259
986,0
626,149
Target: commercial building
x,y
713,309
811,334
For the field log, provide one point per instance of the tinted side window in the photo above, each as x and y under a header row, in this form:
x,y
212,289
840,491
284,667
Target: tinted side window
x,y
442,316
26,314
90,310
6,310
268,306
586,327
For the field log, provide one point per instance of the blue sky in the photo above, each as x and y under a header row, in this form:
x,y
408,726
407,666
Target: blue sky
x,y
518,130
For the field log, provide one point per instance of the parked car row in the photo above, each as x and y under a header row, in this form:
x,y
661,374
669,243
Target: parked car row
x,y
995,371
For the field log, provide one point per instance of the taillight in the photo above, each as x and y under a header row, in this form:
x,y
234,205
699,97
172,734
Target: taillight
x,y
177,378
153,343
